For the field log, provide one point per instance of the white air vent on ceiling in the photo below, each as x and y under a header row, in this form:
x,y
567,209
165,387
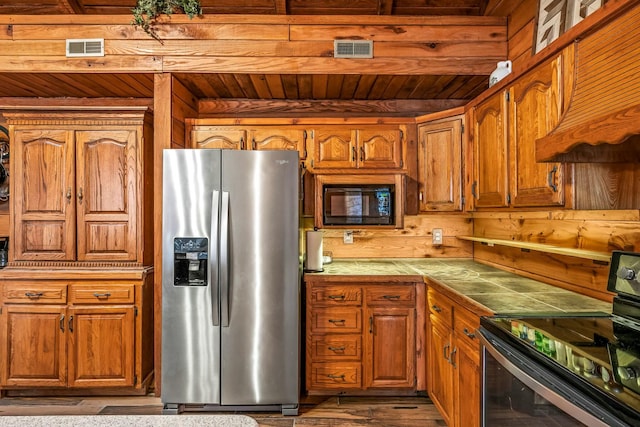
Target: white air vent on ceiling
x,y
353,49
85,47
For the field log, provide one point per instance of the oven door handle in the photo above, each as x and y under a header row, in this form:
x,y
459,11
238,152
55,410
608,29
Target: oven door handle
x,y
550,386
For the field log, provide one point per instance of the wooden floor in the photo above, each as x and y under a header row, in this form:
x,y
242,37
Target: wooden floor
x,y
316,411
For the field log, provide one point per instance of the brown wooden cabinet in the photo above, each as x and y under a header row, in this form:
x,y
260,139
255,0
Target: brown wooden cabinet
x,y
389,357
357,147
506,126
79,186
440,373
453,365
73,333
247,137
346,352
440,165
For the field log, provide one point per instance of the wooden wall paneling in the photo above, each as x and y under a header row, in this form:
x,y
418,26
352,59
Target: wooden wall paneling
x,y
501,7
413,241
575,274
521,16
607,185
451,28
215,30
560,228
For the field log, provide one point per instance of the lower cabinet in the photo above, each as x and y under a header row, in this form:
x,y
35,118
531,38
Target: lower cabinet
x,y
360,337
453,362
77,334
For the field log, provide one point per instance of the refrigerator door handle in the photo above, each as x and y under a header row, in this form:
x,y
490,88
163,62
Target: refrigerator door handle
x,y
213,259
224,259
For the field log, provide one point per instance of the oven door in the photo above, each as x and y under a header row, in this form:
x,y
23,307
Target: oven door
x,y
518,390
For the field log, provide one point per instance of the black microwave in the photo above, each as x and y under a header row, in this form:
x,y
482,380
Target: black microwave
x,y
368,204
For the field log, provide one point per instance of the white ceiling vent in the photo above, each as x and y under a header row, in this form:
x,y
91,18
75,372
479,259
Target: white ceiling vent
x,y
353,48
85,47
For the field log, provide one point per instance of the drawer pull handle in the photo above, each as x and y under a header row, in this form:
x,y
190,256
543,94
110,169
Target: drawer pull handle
x,y
393,297
336,297
33,294
334,321
469,334
336,349
436,308
336,377
105,295
445,352
62,323
70,323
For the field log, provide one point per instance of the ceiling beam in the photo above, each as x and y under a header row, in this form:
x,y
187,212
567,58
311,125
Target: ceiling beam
x,y
328,108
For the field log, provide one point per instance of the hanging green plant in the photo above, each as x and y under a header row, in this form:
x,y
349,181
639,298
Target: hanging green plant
x,y
146,12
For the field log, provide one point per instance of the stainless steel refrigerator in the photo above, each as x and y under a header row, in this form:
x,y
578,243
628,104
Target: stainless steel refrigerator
x,y
230,280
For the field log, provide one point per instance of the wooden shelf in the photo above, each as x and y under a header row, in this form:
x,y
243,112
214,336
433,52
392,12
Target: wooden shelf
x,y
540,247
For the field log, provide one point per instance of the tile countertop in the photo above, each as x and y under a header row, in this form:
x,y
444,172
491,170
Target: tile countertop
x,y
484,286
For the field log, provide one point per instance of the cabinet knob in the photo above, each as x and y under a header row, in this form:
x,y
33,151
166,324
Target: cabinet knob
x,y
436,308
68,195
80,195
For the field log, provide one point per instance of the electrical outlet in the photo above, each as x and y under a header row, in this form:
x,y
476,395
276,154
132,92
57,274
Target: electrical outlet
x,y
436,235
348,237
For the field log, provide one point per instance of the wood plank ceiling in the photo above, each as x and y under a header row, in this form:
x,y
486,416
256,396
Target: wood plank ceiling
x,y
256,86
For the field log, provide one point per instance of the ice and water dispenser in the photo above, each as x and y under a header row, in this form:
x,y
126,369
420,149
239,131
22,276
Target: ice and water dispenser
x,y
191,258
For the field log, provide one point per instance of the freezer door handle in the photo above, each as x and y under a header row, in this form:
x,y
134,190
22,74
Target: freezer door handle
x,y
224,259
213,259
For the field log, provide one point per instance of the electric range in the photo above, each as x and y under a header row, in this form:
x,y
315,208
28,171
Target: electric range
x,y
592,357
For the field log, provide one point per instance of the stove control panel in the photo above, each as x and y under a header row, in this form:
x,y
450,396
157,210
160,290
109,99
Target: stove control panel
x,y
624,274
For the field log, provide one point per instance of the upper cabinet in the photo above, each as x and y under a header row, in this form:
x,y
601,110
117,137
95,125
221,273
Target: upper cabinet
x,y
327,146
357,147
440,165
506,126
250,138
79,186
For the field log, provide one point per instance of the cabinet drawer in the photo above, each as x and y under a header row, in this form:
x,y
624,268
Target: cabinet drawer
x,y
440,307
92,294
465,325
336,295
348,320
336,347
391,295
336,375
36,293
